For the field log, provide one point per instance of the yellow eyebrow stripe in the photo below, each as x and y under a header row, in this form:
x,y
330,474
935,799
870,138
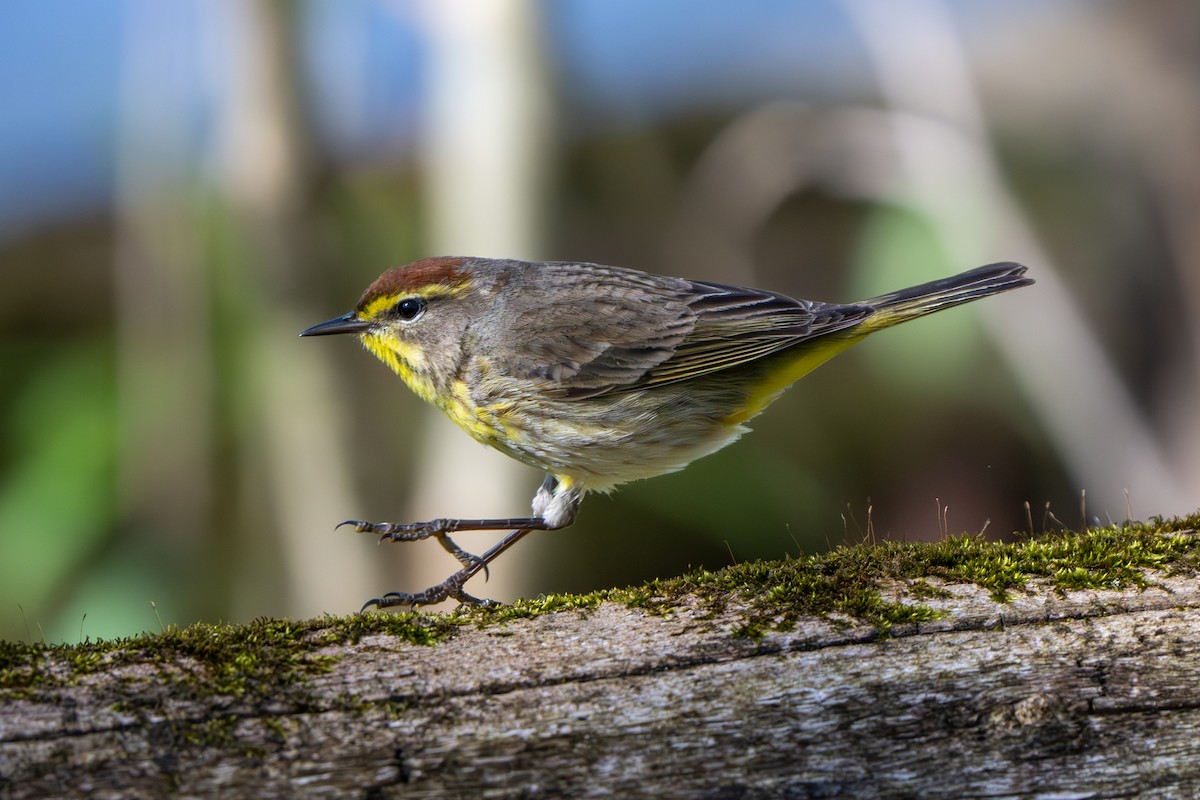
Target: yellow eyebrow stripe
x,y
384,302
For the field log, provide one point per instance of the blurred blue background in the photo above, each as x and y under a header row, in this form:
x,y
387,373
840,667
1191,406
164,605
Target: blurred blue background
x,y
186,186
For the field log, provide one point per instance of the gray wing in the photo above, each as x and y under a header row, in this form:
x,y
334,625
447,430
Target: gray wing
x,y
736,325
647,330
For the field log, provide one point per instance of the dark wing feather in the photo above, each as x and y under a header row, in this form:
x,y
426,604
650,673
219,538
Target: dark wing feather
x,y
736,325
646,330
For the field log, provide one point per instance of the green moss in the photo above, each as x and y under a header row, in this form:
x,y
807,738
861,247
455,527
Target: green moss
x,y
21,667
259,657
214,732
409,626
277,729
881,585
922,589
852,582
534,607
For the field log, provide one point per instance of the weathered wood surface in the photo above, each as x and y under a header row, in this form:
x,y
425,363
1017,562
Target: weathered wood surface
x,y
1088,694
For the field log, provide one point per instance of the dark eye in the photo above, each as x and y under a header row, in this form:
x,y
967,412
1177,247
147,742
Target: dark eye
x,y
410,308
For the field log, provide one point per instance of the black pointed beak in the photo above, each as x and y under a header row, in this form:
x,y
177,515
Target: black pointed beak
x,y
346,323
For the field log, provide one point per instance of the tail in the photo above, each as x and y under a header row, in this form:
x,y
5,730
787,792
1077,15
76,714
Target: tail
x,y
917,301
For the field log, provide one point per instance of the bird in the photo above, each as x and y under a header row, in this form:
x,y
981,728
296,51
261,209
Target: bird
x,y
600,375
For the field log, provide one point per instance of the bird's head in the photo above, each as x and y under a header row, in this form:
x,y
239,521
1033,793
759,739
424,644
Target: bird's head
x,y
415,319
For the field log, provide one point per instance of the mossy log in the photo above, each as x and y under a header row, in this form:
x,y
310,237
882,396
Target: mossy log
x,y
1067,667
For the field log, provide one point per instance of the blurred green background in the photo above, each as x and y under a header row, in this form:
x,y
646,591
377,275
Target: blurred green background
x,y
185,186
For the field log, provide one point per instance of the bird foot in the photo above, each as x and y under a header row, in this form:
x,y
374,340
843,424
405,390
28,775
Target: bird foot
x,y
451,588
403,531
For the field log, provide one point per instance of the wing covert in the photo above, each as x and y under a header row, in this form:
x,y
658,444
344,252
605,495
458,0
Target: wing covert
x,y
645,330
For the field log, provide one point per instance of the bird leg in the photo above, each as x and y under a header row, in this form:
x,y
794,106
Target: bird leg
x,y
452,587
414,531
555,505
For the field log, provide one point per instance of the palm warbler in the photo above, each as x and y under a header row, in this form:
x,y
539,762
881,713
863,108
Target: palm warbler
x,y
601,375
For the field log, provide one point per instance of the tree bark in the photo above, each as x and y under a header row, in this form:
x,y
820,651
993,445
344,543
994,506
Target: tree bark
x,y
1052,694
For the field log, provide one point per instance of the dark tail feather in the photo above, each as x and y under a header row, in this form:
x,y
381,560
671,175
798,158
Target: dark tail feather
x,y
927,298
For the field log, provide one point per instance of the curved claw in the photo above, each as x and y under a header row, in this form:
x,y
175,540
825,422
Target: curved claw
x,y
449,590
359,527
390,599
